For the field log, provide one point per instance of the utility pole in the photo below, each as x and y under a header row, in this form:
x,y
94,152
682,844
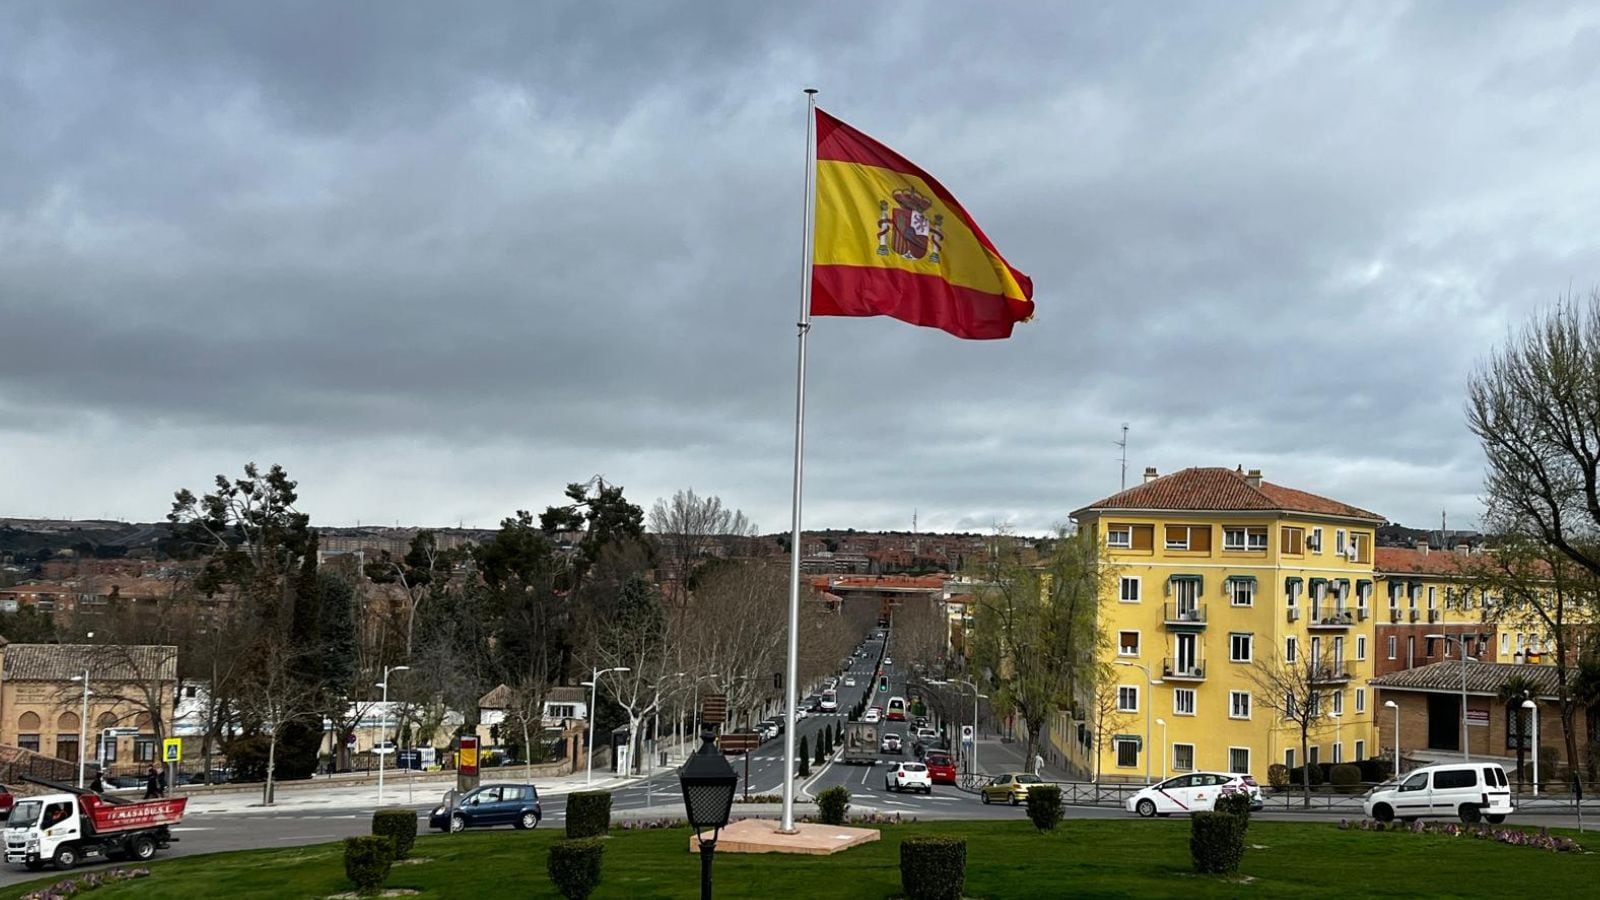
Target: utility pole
x,y
1124,445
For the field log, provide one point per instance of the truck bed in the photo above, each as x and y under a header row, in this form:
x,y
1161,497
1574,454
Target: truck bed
x,y
109,818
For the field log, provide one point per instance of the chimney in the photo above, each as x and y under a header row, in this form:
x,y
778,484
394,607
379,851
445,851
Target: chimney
x,y
1253,478
1422,546
1149,474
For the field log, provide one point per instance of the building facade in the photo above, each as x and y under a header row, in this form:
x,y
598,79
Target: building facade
x,y
131,689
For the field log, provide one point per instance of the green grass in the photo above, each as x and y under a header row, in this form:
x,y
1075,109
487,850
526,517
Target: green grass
x,y
1004,859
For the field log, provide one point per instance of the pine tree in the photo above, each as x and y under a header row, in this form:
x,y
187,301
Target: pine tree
x,y
805,758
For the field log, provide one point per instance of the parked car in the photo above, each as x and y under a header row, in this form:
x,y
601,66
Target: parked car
x,y
1194,792
941,768
908,776
489,805
873,714
7,800
890,744
777,723
814,702
1472,791
766,730
1010,787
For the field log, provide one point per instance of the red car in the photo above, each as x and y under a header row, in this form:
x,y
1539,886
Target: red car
x,y
7,800
941,768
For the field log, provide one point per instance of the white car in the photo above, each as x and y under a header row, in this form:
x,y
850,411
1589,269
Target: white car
x,y
888,661
1472,791
908,775
1197,792
873,714
850,682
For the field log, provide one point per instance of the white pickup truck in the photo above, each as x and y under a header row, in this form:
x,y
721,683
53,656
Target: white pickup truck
x,y
68,828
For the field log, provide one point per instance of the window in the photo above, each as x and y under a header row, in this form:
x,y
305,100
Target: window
x,y
1123,536
1183,702
1505,643
1239,647
1314,541
1394,647
1433,597
1119,536
1288,759
1255,538
144,749
1241,592
1338,751
1238,704
1127,698
1338,703
561,711
28,742
1291,649
1182,757
67,746
1239,537
1130,589
1363,594
1394,596
1127,643
1338,541
1314,755
1127,753
1361,750
1313,706
1291,591
1455,778
1233,538
1294,541
1289,706
1361,704
1361,646
1239,760
1189,537
1428,647
1360,547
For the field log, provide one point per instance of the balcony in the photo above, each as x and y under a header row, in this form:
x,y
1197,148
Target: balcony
x,y
1331,671
1331,620
1184,615
1191,670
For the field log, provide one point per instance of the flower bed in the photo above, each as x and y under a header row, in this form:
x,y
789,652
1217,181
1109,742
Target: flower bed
x,y
69,887
1516,837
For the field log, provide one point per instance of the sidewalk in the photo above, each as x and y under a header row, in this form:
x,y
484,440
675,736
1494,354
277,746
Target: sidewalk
x,y
996,756
323,794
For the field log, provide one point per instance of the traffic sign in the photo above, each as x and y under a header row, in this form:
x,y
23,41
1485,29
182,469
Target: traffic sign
x,y
966,734
172,750
714,709
739,742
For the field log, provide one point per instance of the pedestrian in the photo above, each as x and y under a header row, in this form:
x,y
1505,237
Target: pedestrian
x,y
98,785
1038,764
152,785
161,780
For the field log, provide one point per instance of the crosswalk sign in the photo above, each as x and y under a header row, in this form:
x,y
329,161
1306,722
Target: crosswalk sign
x,y
172,750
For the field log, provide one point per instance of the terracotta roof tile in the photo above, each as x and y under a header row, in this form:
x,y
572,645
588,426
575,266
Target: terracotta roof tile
x,y
1406,561
1223,490
59,662
1482,677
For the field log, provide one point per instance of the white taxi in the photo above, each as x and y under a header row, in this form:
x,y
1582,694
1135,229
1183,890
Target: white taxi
x,y
1195,792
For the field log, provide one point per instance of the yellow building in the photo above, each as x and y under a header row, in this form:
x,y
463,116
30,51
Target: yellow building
x,y
1219,574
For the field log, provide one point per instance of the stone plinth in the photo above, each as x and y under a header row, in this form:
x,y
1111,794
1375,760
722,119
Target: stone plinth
x,y
761,836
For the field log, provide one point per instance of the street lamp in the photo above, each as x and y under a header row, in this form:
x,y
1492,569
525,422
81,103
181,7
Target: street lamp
x,y
708,784
1390,704
1163,724
83,720
1461,641
972,758
383,718
1149,703
593,684
1533,709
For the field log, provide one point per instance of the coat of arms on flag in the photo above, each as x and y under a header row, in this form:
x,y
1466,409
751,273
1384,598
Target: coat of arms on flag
x,y
914,233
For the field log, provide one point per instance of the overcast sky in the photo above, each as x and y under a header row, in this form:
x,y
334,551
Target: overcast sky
x,y
439,260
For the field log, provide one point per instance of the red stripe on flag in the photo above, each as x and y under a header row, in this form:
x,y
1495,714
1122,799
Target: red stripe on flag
x,y
911,297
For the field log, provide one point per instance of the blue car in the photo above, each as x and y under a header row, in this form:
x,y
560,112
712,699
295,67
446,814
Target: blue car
x,y
489,805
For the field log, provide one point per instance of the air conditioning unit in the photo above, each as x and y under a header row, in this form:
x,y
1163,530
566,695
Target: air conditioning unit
x,y
1294,613
1434,615
1361,613
1416,614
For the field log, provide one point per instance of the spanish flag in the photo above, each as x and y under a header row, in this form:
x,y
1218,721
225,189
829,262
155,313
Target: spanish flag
x,y
891,241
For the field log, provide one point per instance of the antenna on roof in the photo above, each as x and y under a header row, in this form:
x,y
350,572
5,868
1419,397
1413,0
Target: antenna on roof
x,y
1124,445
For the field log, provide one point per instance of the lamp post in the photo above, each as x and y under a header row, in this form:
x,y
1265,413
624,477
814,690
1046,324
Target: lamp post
x,y
1533,708
593,684
708,784
1390,704
383,719
1151,681
1460,640
1163,724
83,720
972,758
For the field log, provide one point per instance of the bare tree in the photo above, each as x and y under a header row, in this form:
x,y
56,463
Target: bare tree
x,y
275,697
525,712
1104,713
688,528
632,641
1294,688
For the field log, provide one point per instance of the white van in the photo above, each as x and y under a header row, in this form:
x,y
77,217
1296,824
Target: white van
x,y
1472,791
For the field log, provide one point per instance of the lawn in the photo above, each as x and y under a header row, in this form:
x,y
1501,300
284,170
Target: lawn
x,y
1005,859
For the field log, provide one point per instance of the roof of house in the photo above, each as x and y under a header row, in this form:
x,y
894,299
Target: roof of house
x,y
500,697
1224,490
1406,561
1482,677
59,662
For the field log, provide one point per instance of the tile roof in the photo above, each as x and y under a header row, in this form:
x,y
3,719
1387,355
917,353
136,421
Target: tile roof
x,y
1406,561
500,697
1218,490
1482,677
59,662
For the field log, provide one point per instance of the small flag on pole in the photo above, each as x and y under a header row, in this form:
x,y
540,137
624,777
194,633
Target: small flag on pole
x,y
891,241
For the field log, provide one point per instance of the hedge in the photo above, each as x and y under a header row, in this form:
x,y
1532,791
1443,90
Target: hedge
x,y
832,804
574,866
367,860
1044,806
1237,805
933,868
1345,778
398,825
588,814
1216,841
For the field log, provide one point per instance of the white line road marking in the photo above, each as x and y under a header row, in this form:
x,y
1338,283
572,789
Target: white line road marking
x,y
189,828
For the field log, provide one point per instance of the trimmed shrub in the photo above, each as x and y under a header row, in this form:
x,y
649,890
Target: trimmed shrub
x,y
1278,776
574,866
1044,806
1345,778
933,868
822,749
1216,841
1376,769
804,753
398,825
588,814
367,860
832,804
1236,805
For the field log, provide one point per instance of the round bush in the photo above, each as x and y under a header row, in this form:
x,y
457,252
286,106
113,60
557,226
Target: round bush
x,y
832,804
1044,806
1345,778
574,866
933,868
588,814
367,861
1216,841
1278,776
398,825
1237,805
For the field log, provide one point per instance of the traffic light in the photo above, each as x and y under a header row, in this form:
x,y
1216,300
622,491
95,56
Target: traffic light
x,y
883,682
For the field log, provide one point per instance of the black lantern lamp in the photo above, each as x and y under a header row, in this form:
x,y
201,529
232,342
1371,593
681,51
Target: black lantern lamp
x,y
708,787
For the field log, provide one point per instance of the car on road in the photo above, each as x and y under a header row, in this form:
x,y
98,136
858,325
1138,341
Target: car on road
x,y
888,660
941,767
1009,787
927,736
1191,793
908,776
487,806
830,701
814,702
850,682
873,714
897,709
890,744
1472,791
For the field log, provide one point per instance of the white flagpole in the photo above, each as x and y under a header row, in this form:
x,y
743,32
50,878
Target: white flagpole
x,y
791,765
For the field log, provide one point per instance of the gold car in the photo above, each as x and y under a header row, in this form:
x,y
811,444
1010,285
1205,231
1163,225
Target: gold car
x,y
1011,787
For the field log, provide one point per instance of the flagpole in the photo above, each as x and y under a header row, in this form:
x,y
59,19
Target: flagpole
x,y
791,765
